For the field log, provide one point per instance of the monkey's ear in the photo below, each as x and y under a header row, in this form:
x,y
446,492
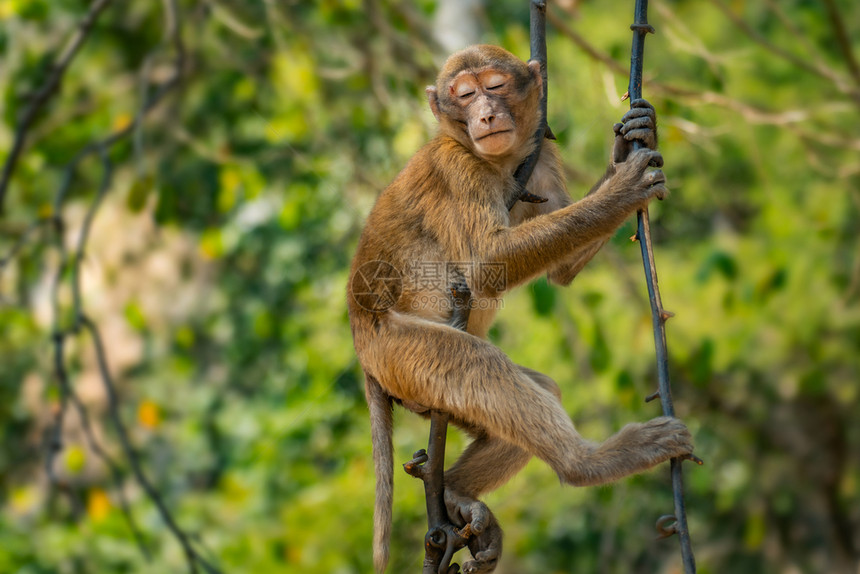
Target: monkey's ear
x,y
534,70
433,98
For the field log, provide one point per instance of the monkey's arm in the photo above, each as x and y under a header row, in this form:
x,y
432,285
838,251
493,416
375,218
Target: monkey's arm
x,y
548,181
638,124
542,243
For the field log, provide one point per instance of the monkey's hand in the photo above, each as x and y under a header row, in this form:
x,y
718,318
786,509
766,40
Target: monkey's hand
x,y
634,184
664,438
485,543
461,301
638,124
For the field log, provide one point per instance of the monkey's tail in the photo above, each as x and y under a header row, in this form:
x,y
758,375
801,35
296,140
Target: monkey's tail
x,y
381,425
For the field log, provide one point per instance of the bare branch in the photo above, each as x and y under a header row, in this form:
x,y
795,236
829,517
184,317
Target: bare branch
x,y
842,39
68,270
799,36
750,113
191,555
819,70
586,46
48,89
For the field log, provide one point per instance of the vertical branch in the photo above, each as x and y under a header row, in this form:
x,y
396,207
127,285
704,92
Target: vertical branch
x,y
838,24
537,47
659,316
437,549
63,330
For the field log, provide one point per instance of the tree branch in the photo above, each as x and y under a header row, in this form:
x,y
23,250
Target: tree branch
x,y
68,269
842,39
819,70
48,89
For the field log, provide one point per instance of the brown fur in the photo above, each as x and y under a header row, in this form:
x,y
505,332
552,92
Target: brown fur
x,y
448,206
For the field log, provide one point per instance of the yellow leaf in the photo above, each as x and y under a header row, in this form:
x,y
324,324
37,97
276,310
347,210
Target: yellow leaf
x,y
755,531
230,180
98,505
7,9
211,246
76,459
121,122
148,414
23,500
293,554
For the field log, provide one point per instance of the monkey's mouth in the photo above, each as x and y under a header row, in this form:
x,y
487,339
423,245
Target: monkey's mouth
x,y
492,134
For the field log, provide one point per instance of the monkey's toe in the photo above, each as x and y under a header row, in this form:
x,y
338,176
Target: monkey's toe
x,y
484,561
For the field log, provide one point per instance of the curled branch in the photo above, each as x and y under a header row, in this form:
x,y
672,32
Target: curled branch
x,y
48,89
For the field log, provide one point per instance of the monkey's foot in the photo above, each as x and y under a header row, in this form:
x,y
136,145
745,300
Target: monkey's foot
x,y
415,467
485,542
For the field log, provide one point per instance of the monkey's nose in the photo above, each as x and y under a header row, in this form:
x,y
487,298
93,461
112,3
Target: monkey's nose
x,y
487,119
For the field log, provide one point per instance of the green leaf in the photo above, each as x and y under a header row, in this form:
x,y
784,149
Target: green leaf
x,y
137,194
543,297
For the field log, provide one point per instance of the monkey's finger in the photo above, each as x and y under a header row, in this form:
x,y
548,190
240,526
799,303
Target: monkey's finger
x,y
656,182
643,157
652,178
646,136
617,128
639,113
641,103
656,161
635,124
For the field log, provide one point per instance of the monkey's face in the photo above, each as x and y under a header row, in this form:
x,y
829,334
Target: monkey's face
x,y
486,98
482,98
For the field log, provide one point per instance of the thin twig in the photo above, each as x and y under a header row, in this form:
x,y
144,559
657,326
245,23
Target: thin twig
x,y
191,555
586,46
838,81
750,113
48,89
59,336
22,241
838,25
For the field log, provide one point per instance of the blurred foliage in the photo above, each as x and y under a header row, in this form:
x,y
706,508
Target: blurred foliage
x,y
216,268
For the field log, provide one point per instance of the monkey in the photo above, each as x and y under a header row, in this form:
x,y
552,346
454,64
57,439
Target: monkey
x,y
443,220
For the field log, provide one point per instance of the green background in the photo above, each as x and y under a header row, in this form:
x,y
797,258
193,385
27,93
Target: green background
x,y
216,264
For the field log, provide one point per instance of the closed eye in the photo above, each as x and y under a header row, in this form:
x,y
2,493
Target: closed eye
x,y
496,87
466,95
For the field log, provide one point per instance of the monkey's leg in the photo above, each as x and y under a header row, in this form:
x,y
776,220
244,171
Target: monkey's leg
x,y
486,464
441,368
489,461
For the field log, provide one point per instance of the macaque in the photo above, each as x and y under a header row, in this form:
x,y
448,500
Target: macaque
x,y
444,221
